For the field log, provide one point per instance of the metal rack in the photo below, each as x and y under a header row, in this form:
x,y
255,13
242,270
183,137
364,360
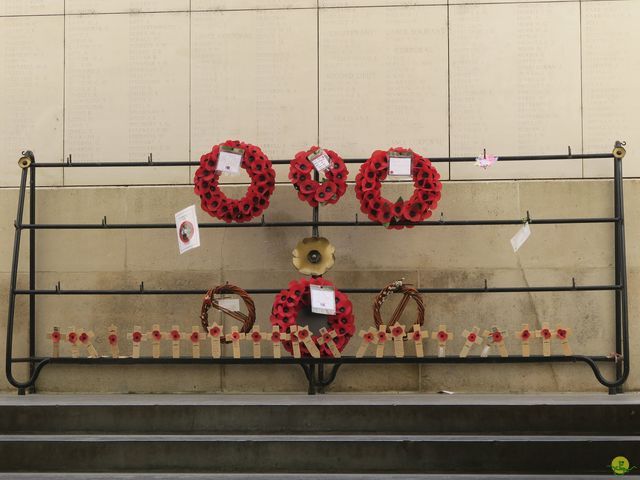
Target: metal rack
x,y
314,368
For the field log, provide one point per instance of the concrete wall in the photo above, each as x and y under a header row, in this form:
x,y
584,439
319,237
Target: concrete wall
x,y
116,80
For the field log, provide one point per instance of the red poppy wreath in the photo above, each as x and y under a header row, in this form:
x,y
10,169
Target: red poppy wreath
x,y
288,303
402,213
311,191
216,203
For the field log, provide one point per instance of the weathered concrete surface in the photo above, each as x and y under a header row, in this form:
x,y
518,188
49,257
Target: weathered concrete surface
x,y
365,257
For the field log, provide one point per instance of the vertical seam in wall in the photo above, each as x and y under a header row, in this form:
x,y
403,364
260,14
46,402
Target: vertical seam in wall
x,y
64,80
448,91
190,63
581,90
318,68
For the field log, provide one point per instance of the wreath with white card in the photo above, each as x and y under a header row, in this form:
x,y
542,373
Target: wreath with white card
x,y
401,213
230,156
288,304
327,163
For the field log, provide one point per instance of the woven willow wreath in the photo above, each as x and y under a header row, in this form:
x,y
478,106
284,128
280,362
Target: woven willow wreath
x,y
210,302
408,293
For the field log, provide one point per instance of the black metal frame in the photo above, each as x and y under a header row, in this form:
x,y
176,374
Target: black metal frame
x,y
314,369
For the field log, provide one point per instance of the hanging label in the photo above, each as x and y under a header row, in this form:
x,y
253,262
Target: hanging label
x,y
323,300
229,159
486,161
232,304
520,237
399,164
187,229
320,159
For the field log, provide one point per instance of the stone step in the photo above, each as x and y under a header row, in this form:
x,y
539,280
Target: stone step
x,y
299,414
281,476
446,454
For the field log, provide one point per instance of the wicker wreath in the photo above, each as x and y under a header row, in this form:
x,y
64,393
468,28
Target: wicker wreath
x,y
209,301
408,293
288,303
402,213
216,203
311,191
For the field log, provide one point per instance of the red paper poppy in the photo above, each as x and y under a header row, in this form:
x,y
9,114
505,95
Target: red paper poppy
x,y
156,335
275,337
368,337
546,333
84,338
72,337
497,337
216,203
195,337
525,335
175,335
382,337
288,304
472,337
136,337
214,331
311,191
403,214
113,339
561,333
397,331
443,336
303,334
55,337
255,336
235,336
416,336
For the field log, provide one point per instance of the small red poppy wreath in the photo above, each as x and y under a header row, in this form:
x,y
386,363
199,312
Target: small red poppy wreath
x,y
216,203
402,213
309,190
288,303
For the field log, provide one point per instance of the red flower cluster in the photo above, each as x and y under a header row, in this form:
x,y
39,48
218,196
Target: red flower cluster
x,y
315,193
288,303
400,214
216,203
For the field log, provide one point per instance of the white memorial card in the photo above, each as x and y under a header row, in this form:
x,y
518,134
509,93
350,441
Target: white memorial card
x,y
520,237
232,304
323,299
229,162
400,166
321,160
187,229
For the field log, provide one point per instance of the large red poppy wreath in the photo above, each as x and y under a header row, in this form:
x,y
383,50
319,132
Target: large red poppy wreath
x,y
402,213
216,203
289,302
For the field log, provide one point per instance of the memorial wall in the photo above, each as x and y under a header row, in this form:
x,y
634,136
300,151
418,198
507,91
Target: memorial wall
x,y
105,80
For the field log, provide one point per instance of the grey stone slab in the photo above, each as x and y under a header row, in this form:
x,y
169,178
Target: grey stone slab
x,y
330,399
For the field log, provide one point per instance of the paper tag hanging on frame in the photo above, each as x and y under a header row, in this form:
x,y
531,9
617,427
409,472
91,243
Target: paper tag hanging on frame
x,y
323,299
187,229
320,160
520,237
229,159
232,304
400,164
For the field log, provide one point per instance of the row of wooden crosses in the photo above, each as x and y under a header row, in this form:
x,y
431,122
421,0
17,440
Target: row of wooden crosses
x,y
377,338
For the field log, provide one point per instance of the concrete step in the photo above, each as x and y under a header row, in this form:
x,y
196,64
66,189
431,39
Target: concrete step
x,y
446,454
298,414
280,476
